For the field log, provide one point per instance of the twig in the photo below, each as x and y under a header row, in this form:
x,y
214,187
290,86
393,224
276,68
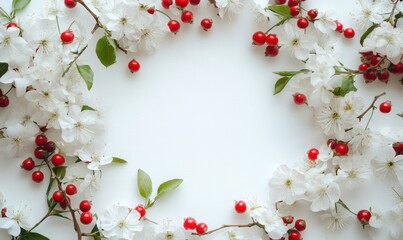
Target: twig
x,y
230,226
74,60
393,12
371,106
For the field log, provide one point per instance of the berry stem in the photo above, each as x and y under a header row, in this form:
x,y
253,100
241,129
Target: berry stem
x,y
58,25
231,226
48,214
166,15
9,90
370,117
393,11
341,203
371,106
277,24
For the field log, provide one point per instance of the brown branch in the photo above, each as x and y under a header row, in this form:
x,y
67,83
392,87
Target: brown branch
x,y
231,226
370,106
393,12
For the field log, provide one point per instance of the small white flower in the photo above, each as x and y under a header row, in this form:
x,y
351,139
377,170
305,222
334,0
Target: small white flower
x,y
362,139
354,170
367,14
15,220
386,163
297,42
148,35
396,230
17,140
287,185
325,153
273,224
14,49
326,21
120,222
335,221
93,154
324,192
259,7
91,183
228,7
53,9
168,231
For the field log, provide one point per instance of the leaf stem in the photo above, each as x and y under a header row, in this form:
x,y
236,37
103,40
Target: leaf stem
x,y
74,60
277,24
166,15
341,203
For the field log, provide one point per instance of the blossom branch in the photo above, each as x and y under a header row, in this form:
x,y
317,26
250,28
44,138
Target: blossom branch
x,y
231,226
371,106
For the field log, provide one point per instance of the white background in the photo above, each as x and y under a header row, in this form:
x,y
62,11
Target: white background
x,y
202,109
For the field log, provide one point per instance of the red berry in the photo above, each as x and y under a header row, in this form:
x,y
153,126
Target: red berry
x,y
85,206
271,39
58,196
294,235
189,223
294,11
28,164
370,76
312,13
300,225
194,2
299,98
71,189
70,3
187,17
86,218
12,24
37,176
313,153
363,216
339,26
302,23
271,51
3,212
4,101
288,219
50,146
40,153
363,67
280,2
43,129
341,149
385,107
206,23
383,75
398,147
41,140
259,38
293,3
375,60
181,3
174,26
133,66
151,11
201,228
349,33
396,68
58,160
141,210
67,37
240,206
166,3
332,143
63,204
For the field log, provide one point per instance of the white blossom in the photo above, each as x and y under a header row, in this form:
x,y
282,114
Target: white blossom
x,y
323,192
287,185
15,220
326,21
335,221
14,49
386,163
273,224
297,42
167,230
367,14
228,7
354,171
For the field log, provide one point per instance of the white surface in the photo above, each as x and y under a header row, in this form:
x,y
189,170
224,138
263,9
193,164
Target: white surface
x,y
202,109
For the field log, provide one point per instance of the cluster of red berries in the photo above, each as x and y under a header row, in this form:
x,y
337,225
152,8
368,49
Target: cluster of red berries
x,y
375,66
4,100
339,148
295,232
260,38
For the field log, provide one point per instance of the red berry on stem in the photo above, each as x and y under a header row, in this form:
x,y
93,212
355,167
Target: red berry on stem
x,y
28,164
189,223
363,216
349,33
299,98
332,143
313,153
271,51
240,207
294,11
312,13
271,39
370,76
385,107
12,24
151,10
67,37
40,153
174,26
383,75
166,3
300,225
363,67
58,196
4,101
201,228
58,159
181,3
141,210
294,235
71,189
341,149
70,3
288,219
206,23
375,60
41,140
398,147
133,66
37,176
50,146
3,212
339,26
293,3
86,218
187,17
194,2
63,204
85,206
259,38
303,23
396,68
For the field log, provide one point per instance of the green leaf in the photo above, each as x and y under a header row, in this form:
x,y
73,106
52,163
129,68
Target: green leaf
x,y
3,69
58,214
106,51
20,4
291,73
87,74
31,236
144,184
87,108
118,160
280,84
167,187
369,30
95,233
49,199
60,171
282,10
346,86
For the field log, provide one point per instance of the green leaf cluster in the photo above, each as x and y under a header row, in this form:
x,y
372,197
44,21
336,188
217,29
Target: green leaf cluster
x,y
145,187
347,85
